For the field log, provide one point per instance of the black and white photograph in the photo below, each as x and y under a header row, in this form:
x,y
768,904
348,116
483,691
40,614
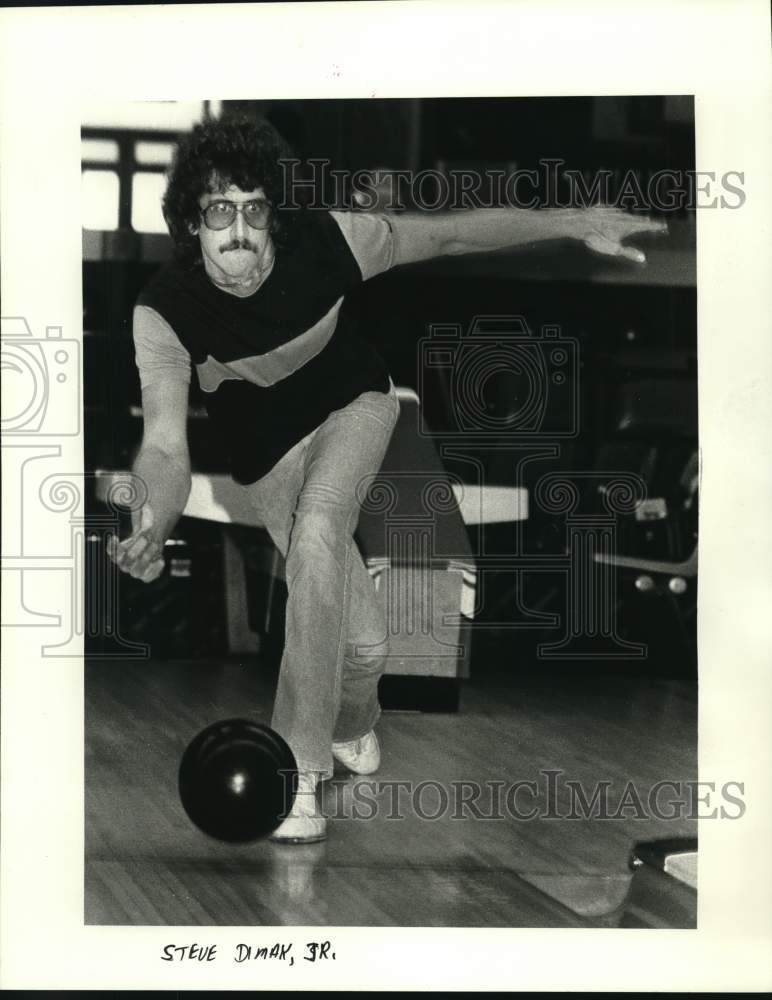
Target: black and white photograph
x,y
424,518
369,507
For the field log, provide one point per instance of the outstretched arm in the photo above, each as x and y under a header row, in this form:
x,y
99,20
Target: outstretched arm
x,y
421,236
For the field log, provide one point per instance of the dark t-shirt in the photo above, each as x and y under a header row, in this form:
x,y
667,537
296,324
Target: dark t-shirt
x,y
275,364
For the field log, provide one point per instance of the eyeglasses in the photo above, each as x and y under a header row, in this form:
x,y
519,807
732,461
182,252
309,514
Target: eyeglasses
x,y
220,214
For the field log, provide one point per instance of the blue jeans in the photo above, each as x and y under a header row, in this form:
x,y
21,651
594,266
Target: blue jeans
x,y
336,640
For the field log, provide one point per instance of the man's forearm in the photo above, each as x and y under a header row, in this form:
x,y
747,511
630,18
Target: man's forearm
x,y
484,229
167,478
421,236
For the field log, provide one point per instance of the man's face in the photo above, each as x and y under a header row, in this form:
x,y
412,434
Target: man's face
x,y
238,250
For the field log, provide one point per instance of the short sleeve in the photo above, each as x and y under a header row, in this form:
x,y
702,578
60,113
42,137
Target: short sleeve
x,y
158,352
370,238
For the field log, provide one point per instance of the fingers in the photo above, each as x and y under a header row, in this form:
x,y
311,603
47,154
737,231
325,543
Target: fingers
x,y
602,244
140,550
612,248
153,571
619,219
137,555
645,224
632,254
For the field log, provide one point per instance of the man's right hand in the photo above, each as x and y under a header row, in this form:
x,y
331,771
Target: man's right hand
x,y
141,554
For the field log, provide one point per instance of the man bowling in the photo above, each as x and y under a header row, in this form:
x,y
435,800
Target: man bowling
x,y
303,408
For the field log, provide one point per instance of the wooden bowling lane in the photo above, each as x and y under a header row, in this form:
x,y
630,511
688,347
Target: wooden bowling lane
x,y
302,890
146,863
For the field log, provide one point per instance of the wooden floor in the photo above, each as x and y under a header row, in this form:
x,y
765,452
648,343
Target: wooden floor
x,y
146,863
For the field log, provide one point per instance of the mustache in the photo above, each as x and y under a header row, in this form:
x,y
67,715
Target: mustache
x,y
238,245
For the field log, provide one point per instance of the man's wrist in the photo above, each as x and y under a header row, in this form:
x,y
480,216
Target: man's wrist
x,y
565,223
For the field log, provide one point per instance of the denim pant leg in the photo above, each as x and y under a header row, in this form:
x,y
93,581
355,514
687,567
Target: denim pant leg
x,y
364,657
335,636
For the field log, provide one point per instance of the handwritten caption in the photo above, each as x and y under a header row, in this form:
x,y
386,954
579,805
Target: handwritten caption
x,y
315,951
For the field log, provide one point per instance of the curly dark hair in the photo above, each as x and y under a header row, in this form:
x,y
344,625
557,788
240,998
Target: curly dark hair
x,y
213,156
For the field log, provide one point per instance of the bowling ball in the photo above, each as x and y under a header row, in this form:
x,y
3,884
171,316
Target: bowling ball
x,y
237,780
